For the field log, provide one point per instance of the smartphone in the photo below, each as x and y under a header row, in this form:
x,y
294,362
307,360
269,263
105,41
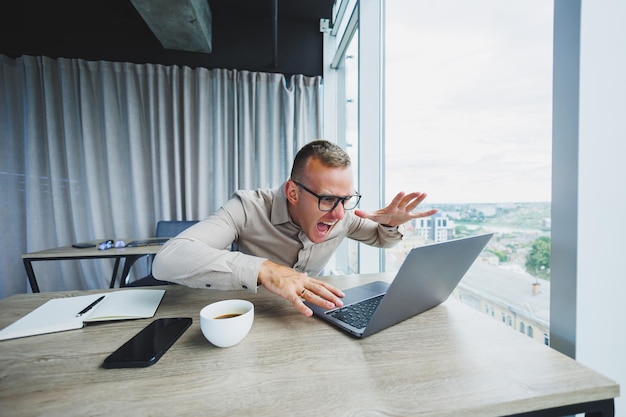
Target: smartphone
x,y
147,346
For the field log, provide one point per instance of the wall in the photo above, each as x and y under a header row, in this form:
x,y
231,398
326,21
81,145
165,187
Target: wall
x,y
601,308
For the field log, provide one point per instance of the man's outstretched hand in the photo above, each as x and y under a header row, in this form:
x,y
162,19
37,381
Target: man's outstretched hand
x,y
399,211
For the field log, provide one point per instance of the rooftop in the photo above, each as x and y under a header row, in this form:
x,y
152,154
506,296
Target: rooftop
x,y
509,288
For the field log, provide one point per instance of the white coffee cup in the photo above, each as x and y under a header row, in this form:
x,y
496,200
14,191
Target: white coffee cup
x,y
226,323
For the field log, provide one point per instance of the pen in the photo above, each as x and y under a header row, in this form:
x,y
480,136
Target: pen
x,y
89,307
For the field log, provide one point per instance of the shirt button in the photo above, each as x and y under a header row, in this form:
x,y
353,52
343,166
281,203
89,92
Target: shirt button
x,y
245,287
208,285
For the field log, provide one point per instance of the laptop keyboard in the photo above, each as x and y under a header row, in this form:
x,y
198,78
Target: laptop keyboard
x,y
357,314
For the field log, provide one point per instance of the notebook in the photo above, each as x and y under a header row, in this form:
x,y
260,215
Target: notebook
x,y
426,278
69,313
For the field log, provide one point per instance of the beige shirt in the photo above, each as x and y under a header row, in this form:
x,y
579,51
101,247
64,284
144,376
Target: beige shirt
x,y
259,224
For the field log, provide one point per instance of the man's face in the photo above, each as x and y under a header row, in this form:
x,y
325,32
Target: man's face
x,y
303,206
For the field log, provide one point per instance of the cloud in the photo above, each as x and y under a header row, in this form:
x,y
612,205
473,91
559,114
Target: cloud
x,y
468,99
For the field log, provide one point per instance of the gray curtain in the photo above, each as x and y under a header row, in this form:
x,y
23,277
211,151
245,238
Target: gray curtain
x,y
96,150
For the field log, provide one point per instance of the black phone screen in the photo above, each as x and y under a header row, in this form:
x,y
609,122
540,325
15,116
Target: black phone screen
x,y
147,346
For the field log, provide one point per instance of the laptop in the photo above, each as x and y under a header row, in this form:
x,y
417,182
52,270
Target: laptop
x,y
426,279
148,242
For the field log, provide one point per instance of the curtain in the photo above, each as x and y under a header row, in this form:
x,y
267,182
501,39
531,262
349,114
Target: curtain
x,y
99,150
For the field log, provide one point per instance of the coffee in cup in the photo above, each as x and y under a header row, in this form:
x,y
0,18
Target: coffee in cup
x,y
226,323
228,316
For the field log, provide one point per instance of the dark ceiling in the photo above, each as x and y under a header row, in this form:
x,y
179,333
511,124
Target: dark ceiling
x,y
243,35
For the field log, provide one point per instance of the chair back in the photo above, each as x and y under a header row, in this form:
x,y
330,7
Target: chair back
x,y
171,228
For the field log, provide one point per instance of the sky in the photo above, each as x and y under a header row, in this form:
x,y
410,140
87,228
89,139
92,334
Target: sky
x,y
468,99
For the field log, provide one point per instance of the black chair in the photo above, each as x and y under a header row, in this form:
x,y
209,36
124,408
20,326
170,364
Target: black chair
x,y
165,228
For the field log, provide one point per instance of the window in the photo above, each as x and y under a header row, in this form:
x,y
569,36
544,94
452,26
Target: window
x,y
467,118
468,106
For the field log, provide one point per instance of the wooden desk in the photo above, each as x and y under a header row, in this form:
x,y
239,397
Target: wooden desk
x,y
449,361
129,254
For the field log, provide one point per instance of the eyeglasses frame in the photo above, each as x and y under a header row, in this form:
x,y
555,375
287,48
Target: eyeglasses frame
x,y
337,201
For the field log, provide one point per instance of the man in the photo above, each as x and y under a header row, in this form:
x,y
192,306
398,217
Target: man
x,y
285,236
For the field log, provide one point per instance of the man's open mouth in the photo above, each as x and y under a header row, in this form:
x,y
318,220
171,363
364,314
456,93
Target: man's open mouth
x,y
324,227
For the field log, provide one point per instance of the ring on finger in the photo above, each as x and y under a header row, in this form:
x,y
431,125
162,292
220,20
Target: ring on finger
x,y
302,292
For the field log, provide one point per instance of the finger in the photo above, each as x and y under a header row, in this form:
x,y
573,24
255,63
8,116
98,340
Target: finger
x,y
301,307
311,292
332,300
311,297
424,214
329,287
416,200
397,199
362,214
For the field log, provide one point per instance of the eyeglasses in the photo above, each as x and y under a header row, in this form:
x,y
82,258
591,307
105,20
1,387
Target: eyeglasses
x,y
330,202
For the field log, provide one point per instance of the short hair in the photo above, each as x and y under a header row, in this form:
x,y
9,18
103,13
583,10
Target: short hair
x,y
329,154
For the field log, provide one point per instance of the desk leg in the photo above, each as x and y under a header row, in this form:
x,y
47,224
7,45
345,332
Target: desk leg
x,y
607,409
601,408
114,275
128,263
31,275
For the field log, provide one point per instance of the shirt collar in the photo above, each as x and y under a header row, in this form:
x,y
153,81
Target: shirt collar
x,y
280,213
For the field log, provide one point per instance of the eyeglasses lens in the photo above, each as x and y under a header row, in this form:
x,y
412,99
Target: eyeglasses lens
x,y
328,204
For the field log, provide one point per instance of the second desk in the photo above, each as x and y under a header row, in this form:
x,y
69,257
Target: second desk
x,y
129,254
